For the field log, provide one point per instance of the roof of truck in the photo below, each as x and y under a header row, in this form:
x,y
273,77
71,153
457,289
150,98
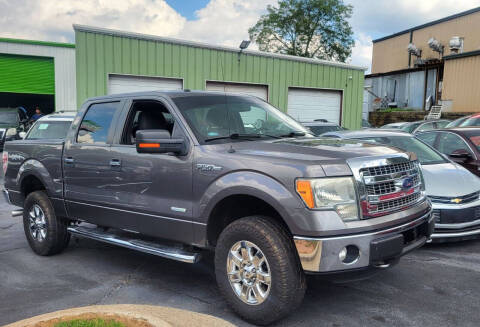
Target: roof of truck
x,y
170,94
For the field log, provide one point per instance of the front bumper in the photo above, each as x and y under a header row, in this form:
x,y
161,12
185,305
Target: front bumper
x,y
456,222
375,249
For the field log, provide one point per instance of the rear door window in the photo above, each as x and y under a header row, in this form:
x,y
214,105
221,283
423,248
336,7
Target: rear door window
x,y
449,142
97,122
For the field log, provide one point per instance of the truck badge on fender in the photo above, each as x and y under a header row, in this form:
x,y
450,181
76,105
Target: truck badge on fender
x,y
208,167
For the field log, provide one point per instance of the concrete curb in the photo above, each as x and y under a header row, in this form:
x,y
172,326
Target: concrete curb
x,y
155,315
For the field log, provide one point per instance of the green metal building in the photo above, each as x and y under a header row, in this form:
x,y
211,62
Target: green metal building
x,y
110,61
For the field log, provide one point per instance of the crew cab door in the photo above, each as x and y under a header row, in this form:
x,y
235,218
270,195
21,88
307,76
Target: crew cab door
x,y
86,164
152,189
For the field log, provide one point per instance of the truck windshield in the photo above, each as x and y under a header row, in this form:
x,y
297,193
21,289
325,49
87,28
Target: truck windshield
x,y
8,117
426,155
225,117
49,130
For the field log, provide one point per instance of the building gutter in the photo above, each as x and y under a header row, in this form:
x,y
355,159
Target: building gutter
x,y
462,55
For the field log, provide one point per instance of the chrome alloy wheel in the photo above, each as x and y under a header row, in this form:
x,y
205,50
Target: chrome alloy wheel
x,y
38,223
248,272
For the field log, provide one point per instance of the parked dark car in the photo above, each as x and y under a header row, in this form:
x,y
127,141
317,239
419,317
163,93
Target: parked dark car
x,y
462,145
177,173
472,120
457,122
417,126
13,121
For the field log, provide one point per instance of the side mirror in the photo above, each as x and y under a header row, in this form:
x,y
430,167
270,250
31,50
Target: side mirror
x,y
22,135
460,155
159,141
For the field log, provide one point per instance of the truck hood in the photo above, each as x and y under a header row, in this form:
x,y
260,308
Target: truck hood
x,y
449,180
326,150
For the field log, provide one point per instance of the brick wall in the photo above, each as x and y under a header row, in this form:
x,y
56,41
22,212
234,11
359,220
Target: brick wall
x,y
378,119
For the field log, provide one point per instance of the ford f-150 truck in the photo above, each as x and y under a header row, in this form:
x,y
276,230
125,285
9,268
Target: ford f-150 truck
x,y
177,173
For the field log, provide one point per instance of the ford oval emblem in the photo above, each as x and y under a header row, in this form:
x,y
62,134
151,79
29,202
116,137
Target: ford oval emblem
x,y
407,183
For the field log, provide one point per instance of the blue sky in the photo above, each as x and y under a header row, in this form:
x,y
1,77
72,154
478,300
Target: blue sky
x,y
187,8
218,22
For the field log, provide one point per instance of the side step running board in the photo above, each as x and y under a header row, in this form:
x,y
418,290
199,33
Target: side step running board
x,y
164,251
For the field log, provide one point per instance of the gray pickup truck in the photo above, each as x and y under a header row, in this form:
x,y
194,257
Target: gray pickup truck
x,y
177,173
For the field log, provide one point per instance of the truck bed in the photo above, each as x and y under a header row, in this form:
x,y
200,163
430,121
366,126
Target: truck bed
x,y
44,157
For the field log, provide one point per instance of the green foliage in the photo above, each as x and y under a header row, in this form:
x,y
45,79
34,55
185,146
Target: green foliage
x,y
89,323
306,28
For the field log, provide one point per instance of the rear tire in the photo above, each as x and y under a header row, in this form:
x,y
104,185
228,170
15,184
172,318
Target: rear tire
x,y
258,271
46,233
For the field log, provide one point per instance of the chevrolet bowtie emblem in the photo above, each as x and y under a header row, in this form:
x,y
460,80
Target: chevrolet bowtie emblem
x,y
457,200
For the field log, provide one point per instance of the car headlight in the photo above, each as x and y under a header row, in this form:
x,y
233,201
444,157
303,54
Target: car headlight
x,y
337,193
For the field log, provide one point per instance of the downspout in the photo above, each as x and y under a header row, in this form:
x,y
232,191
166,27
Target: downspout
x,y
409,54
425,88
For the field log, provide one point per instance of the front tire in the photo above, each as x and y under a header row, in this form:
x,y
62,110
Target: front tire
x,y
46,233
257,270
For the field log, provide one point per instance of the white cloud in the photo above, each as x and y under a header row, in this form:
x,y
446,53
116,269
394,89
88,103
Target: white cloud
x,y
362,51
225,22
52,19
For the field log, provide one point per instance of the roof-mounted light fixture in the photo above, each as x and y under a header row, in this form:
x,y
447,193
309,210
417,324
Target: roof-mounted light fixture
x,y
243,46
435,45
413,50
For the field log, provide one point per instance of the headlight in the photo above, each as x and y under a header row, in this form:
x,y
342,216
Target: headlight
x,y
11,132
337,193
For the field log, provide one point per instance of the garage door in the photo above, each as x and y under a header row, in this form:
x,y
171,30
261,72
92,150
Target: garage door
x,y
260,91
25,74
309,104
125,84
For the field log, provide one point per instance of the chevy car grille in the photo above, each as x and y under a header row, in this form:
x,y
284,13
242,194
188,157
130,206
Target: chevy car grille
x,y
456,199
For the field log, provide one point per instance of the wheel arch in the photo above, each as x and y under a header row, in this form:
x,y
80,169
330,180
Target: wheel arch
x,y
34,176
246,194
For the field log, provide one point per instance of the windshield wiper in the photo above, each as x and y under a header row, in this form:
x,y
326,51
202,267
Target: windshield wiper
x,y
294,134
234,136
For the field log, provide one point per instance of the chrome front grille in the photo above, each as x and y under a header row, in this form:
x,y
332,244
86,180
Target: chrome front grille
x,y
396,204
389,169
390,188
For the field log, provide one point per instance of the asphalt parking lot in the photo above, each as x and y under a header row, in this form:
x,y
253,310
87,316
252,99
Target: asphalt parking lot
x,y
434,286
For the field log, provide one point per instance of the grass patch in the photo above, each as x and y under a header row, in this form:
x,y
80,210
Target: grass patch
x,y
97,322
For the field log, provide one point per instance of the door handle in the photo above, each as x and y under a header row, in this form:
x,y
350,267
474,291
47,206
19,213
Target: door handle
x,y
115,163
69,160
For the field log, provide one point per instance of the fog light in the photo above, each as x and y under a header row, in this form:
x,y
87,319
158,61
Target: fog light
x,y
349,254
343,254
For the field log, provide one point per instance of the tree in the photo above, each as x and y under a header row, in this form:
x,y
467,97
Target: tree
x,y
306,28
